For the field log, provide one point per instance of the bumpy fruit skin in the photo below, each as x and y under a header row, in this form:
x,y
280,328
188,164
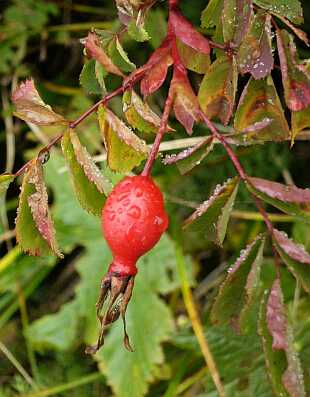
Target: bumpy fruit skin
x,y
133,220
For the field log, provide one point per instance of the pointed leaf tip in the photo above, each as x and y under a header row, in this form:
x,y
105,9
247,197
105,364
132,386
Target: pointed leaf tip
x,y
31,108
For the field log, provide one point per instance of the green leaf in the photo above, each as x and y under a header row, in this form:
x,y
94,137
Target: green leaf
x,y
5,181
124,149
290,9
119,56
218,88
192,59
190,157
100,74
259,116
34,227
295,257
255,53
137,32
240,289
138,113
55,331
282,361
211,217
89,184
295,79
211,14
88,78
31,108
236,16
289,199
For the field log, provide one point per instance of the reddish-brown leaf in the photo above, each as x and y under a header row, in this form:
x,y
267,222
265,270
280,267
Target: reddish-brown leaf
x,y
255,54
31,108
185,31
94,50
295,78
291,194
156,69
293,250
185,106
235,19
276,318
299,33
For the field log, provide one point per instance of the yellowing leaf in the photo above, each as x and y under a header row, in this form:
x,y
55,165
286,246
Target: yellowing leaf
x,y
218,88
30,107
90,185
34,227
124,149
5,180
192,59
259,116
138,113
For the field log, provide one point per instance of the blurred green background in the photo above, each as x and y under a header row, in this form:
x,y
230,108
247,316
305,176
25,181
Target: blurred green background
x,y
47,311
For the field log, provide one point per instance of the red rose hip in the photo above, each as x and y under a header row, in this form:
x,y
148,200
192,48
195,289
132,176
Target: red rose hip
x,y
133,220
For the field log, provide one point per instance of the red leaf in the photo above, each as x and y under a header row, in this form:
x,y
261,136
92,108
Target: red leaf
x,y
186,106
94,50
185,31
293,250
156,69
282,192
295,79
276,318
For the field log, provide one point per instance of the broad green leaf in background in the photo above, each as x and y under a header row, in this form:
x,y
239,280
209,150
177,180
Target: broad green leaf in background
x,y
218,88
90,185
189,158
290,9
241,286
295,257
212,216
31,108
35,231
289,199
124,149
295,79
284,368
236,16
259,116
5,181
192,59
255,53
89,80
138,113
211,14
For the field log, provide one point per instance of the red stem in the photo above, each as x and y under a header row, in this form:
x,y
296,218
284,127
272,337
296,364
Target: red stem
x,y
239,168
162,129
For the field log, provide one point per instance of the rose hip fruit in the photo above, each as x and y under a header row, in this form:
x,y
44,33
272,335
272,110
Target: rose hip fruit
x,y
133,220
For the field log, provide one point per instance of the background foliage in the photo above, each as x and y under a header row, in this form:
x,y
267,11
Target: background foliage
x,y
47,311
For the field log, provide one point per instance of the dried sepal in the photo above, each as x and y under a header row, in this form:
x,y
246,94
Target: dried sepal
x,y
34,226
31,108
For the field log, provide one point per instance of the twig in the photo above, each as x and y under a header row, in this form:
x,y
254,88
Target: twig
x,y
196,323
17,364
